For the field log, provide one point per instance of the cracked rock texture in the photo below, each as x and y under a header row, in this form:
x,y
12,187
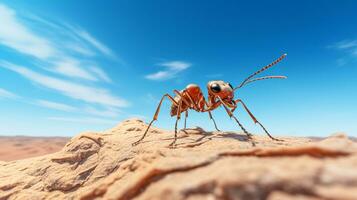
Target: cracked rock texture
x,y
203,165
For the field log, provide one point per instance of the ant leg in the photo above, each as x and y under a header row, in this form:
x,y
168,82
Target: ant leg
x,y
214,122
178,116
255,119
155,117
186,115
231,115
241,126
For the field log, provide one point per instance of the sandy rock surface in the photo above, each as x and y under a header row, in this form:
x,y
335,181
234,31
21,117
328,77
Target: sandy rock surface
x,y
204,165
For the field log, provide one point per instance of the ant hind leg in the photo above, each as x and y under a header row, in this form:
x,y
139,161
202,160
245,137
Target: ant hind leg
x,y
178,116
186,115
155,117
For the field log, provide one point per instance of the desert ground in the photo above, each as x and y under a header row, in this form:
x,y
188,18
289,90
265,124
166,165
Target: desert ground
x,y
20,147
203,165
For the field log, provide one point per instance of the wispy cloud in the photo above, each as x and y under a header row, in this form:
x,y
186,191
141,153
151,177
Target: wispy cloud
x,y
172,69
71,68
62,59
107,112
85,120
103,112
69,55
7,94
176,65
79,48
17,36
160,75
55,105
100,74
74,90
94,42
347,46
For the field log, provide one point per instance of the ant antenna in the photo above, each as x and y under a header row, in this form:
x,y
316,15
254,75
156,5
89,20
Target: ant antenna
x,y
247,80
263,78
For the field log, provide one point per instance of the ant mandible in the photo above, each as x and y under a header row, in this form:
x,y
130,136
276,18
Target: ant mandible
x,y
219,93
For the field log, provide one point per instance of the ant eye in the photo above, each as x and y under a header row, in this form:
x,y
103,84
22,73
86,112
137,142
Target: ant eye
x,y
215,88
230,85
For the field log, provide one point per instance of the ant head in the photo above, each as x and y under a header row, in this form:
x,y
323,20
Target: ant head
x,y
222,89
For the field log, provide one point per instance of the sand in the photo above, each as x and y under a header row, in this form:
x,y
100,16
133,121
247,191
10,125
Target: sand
x,y
20,147
203,165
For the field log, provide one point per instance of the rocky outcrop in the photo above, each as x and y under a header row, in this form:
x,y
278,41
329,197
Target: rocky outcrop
x,y
203,165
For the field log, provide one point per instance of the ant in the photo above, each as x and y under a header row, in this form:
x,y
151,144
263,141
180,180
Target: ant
x,y
219,93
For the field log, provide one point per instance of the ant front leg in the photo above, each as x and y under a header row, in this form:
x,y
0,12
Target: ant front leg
x,y
209,109
214,122
255,119
155,117
232,116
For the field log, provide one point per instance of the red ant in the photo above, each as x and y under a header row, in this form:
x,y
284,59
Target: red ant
x,y
219,93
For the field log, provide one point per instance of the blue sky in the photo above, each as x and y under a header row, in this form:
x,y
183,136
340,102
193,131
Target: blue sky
x,y
71,66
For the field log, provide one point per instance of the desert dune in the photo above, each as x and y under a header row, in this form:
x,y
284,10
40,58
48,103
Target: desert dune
x,y
203,165
20,147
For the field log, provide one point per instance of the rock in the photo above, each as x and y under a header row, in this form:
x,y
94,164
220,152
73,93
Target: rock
x,y
203,165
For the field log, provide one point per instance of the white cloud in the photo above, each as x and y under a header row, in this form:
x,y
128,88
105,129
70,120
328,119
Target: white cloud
x,y
74,90
160,75
346,44
7,94
176,65
349,47
17,36
94,42
54,49
39,20
79,48
100,74
55,105
71,67
173,68
86,120
74,68
104,112
62,50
